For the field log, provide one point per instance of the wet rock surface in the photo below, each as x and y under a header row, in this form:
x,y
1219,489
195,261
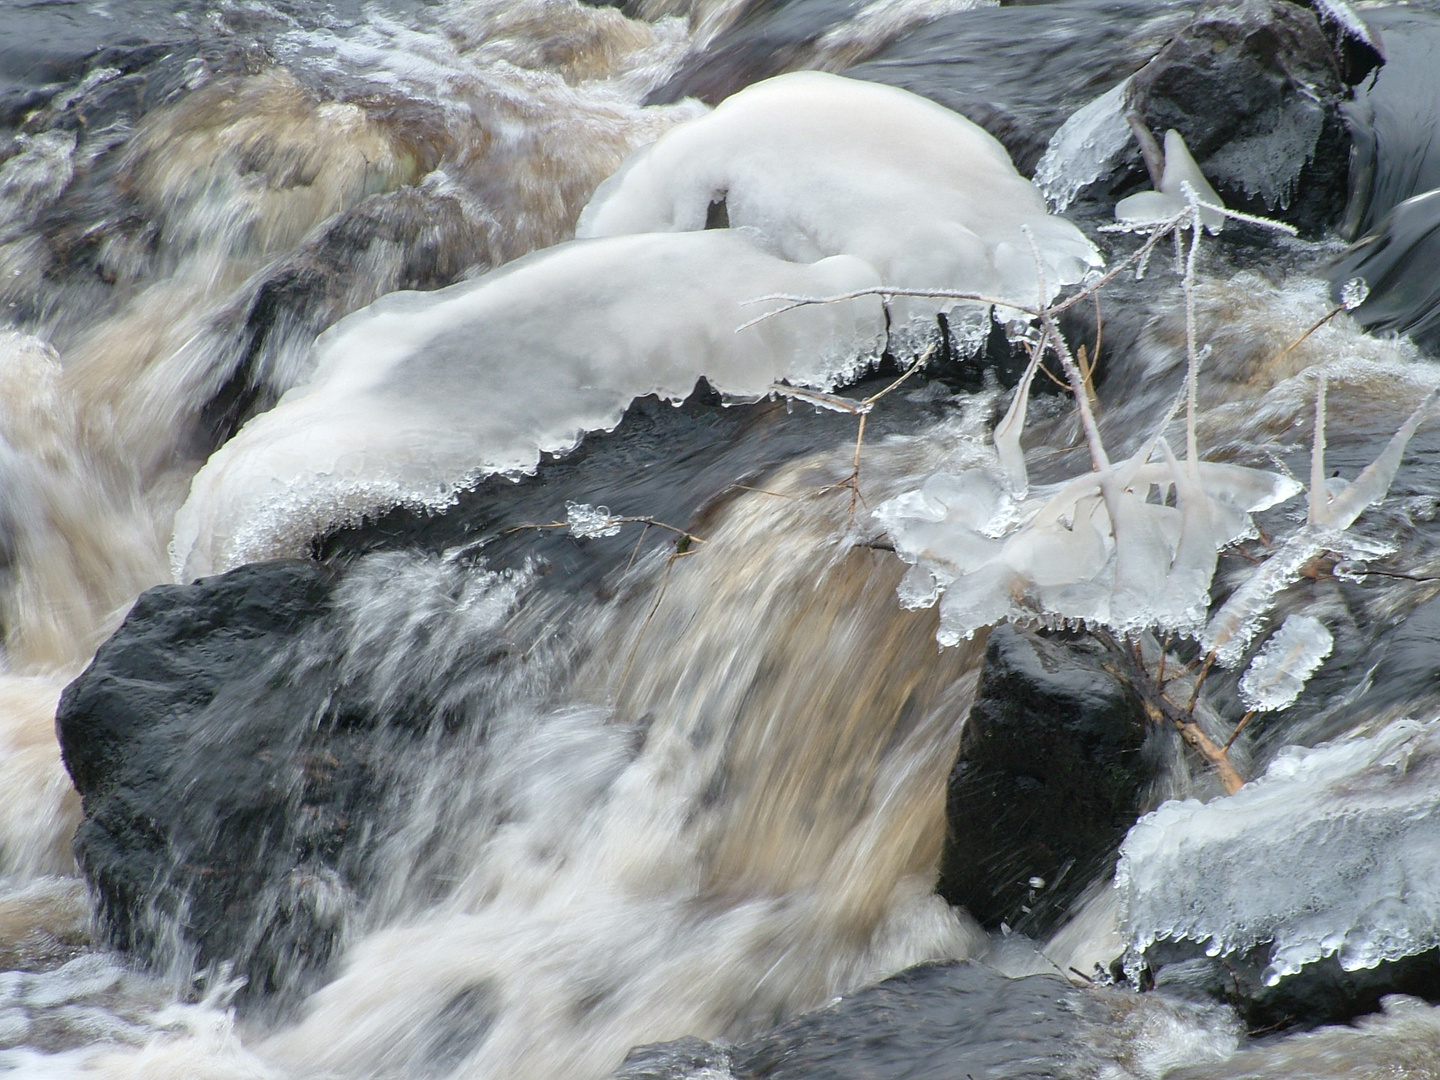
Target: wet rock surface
x,y
1254,87
1321,993
1051,773
234,776
202,798
927,1023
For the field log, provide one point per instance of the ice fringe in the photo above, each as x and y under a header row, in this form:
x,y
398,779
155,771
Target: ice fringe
x,y
1331,852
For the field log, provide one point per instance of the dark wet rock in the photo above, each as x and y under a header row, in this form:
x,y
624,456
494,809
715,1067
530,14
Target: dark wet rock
x,y
932,1022
1320,993
1051,773
202,800
1400,264
1255,89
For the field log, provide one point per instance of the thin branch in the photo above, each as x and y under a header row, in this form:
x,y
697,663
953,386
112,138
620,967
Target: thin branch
x,y
648,522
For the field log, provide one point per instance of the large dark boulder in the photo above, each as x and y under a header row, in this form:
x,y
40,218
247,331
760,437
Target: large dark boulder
x,y
211,807
1255,88
1051,773
932,1022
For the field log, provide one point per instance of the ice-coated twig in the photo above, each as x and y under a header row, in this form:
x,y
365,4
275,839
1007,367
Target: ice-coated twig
x,y
1231,629
1319,498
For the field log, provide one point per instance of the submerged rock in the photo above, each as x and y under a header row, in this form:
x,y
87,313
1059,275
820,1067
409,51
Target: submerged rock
x,y
1051,773
932,1021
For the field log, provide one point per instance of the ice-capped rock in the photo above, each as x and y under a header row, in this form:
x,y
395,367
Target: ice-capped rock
x,y
421,394
826,165
1330,853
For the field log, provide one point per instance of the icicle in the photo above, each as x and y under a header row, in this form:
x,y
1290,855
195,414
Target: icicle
x,y
1008,431
1372,484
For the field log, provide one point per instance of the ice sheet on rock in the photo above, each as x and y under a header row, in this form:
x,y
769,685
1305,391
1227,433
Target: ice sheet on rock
x,y
1278,674
827,165
1331,852
1084,148
1057,553
420,394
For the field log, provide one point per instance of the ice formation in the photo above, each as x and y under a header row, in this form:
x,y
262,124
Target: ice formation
x,y
1096,549
588,522
1084,148
422,393
826,165
1278,674
1232,628
1155,207
1331,852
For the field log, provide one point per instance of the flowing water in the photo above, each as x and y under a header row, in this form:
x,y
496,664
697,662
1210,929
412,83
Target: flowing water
x,y
691,790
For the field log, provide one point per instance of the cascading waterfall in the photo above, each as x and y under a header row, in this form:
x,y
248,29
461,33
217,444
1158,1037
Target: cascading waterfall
x,y
515,798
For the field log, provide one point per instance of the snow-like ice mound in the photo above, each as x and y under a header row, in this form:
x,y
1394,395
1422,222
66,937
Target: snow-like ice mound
x,y
827,165
1331,852
420,394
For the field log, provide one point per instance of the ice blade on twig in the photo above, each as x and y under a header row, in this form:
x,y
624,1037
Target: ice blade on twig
x,y
1280,670
1373,483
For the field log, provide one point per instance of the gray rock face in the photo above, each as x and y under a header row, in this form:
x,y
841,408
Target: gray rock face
x,y
1051,774
206,807
932,1022
1255,88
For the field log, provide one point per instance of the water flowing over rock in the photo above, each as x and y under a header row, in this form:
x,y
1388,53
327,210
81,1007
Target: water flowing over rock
x,y
585,717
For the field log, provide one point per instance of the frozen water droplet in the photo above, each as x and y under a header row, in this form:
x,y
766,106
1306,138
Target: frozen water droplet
x,y
1354,293
590,522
